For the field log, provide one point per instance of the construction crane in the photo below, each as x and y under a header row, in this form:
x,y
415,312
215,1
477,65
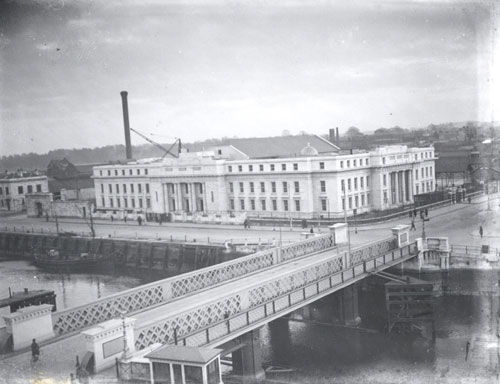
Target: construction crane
x,y
167,151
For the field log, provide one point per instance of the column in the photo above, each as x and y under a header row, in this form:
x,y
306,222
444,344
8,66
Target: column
x,y
165,197
396,187
403,186
411,185
178,197
193,197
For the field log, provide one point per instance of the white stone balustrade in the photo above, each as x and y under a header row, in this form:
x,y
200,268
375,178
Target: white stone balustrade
x,y
26,324
105,341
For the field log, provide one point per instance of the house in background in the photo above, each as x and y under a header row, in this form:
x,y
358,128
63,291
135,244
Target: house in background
x,y
70,182
15,186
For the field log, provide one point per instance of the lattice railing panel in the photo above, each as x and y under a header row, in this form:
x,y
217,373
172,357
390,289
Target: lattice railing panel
x,y
84,316
187,322
220,273
276,288
73,319
306,247
359,255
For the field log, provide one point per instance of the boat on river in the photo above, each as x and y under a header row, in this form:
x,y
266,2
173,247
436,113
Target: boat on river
x,y
55,260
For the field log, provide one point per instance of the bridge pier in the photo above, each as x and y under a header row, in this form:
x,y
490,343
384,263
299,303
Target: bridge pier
x,y
348,306
247,361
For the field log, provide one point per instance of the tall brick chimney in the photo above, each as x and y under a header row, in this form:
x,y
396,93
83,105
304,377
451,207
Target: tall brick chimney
x,y
126,125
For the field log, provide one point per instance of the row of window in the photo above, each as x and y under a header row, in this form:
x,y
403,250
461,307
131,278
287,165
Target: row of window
x,y
262,185
20,189
354,163
355,183
124,172
118,202
428,172
124,188
272,167
353,202
263,205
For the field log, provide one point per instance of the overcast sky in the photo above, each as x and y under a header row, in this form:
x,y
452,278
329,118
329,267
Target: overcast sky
x,y
206,68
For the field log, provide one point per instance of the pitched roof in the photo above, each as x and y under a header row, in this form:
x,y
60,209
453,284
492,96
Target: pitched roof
x,y
184,354
281,146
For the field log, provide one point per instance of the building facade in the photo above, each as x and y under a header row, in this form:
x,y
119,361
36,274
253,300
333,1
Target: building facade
x,y
15,186
303,186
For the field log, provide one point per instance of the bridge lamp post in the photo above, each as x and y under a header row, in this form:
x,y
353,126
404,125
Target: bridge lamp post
x,y
125,345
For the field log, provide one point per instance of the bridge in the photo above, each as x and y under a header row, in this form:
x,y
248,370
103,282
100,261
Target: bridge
x,y
215,306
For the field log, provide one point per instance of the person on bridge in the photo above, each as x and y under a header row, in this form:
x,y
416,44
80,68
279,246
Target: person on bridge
x,y
481,230
35,350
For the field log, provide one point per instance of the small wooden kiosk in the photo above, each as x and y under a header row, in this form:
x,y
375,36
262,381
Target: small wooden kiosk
x,y
185,365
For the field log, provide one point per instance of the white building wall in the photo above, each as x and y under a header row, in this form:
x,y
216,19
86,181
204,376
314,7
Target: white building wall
x,y
15,200
216,174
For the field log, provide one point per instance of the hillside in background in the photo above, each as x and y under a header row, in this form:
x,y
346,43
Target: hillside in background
x,y
471,131
110,153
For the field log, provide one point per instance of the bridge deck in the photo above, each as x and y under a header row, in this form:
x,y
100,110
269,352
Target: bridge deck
x,y
220,313
242,284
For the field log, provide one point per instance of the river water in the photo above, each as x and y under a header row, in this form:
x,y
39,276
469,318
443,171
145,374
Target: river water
x,y
466,311
70,289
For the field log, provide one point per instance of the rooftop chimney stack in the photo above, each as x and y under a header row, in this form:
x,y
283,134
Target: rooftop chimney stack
x,y
126,125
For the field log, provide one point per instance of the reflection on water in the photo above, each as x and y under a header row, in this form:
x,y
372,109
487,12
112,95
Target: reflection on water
x,y
466,311
71,289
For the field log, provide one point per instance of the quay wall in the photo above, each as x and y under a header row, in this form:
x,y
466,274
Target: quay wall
x,y
145,255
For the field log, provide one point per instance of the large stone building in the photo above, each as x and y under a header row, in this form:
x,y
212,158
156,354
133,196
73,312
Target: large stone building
x,y
296,176
15,186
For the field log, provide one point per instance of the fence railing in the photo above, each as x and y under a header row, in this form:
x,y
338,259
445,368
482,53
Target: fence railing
x,y
165,290
251,307
471,250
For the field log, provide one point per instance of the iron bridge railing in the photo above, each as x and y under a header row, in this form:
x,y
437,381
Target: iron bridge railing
x,y
163,291
253,306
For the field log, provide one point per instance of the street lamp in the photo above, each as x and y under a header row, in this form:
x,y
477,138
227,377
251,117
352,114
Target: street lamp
x,y
125,345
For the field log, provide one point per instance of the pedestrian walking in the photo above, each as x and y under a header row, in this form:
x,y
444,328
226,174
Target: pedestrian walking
x,y
426,212
35,350
112,218
139,220
481,230
413,228
467,346
312,230
414,212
